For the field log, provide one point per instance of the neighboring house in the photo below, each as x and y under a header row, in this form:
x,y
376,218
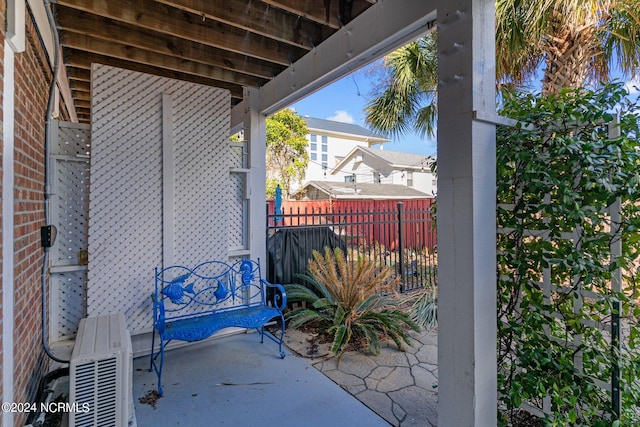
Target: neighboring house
x,y
330,142
327,190
367,165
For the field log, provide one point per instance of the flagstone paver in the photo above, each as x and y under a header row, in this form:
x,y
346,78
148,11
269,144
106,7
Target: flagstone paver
x,y
400,386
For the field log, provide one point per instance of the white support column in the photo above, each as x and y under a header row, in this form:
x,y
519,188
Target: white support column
x,y
8,122
254,126
168,182
467,394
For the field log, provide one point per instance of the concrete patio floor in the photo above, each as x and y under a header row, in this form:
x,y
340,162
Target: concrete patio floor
x,y
236,381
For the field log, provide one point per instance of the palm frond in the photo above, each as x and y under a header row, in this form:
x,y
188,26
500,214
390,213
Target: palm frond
x,y
299,293
303,316
340,339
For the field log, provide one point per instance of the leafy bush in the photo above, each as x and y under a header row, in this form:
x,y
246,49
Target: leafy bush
x,y
350,300
560,172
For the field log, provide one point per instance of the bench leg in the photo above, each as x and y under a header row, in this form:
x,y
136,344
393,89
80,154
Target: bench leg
x,y
160,391
154,365
153,345
282,355
273,337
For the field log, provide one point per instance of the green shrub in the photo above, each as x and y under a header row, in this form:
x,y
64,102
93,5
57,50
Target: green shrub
x,y
559,172
350,301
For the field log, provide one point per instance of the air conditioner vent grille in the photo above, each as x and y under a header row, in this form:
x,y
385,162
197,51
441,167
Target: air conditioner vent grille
x,y
100,373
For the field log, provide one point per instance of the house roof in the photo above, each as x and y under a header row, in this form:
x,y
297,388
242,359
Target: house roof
x,y
330,126
343,190
395,159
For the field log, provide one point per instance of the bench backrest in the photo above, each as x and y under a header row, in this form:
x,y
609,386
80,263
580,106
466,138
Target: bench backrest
x,y
211,286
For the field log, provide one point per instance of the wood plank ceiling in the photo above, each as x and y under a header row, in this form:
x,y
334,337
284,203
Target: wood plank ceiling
x,y
223,43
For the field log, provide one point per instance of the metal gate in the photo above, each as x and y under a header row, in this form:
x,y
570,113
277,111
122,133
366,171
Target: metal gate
x,y
69,177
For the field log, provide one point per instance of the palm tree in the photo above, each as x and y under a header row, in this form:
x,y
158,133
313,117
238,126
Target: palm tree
x,y
406,99
576,41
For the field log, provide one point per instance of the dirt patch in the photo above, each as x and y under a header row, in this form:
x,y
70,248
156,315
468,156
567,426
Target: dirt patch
x,y
308,344
151,398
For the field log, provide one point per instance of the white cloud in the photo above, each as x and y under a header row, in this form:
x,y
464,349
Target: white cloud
x,y
342,116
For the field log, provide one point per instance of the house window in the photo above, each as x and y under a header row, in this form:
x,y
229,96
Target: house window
x,y
325,145
376,177
313,146
350,178
313,137
325,158
324,165
313,156
409,179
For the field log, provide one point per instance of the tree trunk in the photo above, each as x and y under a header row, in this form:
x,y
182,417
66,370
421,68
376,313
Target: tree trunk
x,y
569,54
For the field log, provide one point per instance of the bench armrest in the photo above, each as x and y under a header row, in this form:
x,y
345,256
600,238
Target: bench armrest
x,y
279,297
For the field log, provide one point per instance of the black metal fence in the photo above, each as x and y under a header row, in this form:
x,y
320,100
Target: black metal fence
x,y
403,239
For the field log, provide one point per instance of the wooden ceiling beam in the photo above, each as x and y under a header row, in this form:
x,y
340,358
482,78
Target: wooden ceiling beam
x,y
80,86
153,16
82,95
317,11
78,74
103,28
257,17
81,103
125,52
84,60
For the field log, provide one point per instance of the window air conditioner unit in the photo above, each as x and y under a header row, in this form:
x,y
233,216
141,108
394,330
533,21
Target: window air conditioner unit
x,y
100,374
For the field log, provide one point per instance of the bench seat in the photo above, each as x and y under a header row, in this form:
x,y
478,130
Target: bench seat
x,y
202,327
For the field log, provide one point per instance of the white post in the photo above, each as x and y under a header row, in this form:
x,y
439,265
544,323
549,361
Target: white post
x,y
168,182
254,126
467,393
8,285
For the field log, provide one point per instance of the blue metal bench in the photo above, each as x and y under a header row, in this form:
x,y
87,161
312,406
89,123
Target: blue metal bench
x,y
191,304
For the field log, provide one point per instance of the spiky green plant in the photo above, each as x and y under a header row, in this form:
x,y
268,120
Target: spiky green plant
x,y
423,307
350,300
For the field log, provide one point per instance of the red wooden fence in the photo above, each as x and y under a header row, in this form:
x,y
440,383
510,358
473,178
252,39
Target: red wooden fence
x,y
365,221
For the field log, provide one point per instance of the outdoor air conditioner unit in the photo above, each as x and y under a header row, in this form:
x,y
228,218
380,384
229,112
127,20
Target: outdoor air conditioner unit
x,y
100,374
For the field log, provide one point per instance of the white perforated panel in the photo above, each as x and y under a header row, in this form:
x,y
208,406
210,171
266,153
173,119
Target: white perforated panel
x,y
125,223
72,207
71,301
69,178
237,207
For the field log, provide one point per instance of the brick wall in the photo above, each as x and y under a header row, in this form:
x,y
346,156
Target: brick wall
x,y
32,76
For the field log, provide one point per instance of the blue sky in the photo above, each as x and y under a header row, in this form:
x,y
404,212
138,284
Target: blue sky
x,y
344,101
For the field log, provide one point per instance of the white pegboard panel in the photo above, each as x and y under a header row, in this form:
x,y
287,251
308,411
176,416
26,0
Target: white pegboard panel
x,y
71,208
125,224
73,139
69,178
70,297
237,212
